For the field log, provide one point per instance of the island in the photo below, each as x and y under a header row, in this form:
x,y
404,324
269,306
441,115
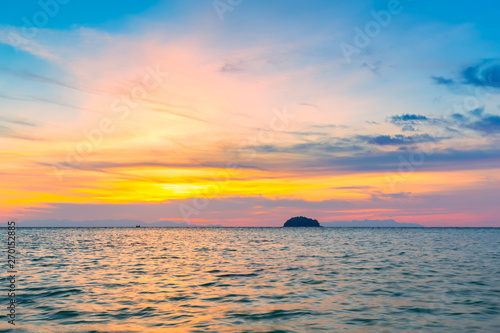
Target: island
x,y
301,221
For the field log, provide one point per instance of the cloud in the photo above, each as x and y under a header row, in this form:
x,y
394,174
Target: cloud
x,y
325,126
374,154
352,188
232,66
8,132
38,99
476,120
101,166
408,122
13,36
26,75
17,121
109,223
442,208
313,106
477,112
372,161
400,195
399,139
488,124
408,117
335,146
230,211
484,74
307,133
443,81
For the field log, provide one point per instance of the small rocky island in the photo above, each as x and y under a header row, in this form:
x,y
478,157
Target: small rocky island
x,y
301,221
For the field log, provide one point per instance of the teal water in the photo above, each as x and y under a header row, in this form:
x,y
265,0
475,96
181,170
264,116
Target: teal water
x,y
257,280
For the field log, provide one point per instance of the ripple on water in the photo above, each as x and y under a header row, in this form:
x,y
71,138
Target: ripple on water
x,y
259,280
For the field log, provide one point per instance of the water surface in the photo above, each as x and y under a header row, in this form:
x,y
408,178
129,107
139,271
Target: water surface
x,y
258,280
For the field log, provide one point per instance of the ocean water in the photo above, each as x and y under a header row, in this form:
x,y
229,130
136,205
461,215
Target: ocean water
x,y
257,280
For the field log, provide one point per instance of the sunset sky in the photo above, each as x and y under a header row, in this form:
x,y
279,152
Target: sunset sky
x,y
246,113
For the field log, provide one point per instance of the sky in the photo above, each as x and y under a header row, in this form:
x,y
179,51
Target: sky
x,y
246,113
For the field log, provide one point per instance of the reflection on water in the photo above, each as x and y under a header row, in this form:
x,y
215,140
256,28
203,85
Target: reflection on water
x,y
258,280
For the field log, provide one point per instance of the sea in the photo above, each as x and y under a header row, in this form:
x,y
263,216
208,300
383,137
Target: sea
x,y
255,280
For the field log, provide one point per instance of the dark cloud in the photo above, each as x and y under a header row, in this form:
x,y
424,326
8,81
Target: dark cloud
x,y
324,126
8,132
309,104
232,66
307,133
37,99
352,188
384,152
326,147
458,117
311,148
44,79
443,81
102,166
477,112
399,139
379,153
428,158
476,120
409,122
487,124
484,74
400,195
17,121
408,117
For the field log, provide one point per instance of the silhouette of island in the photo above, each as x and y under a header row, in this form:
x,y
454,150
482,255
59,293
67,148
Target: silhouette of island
x,y
301,221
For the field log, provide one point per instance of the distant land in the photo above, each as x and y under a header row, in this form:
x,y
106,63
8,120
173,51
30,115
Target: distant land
x,y
105,223
53,223
371,224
